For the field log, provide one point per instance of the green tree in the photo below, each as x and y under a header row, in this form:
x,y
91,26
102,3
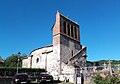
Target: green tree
x,y
107,80
12,60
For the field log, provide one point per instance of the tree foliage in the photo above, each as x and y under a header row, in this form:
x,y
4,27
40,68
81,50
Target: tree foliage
x,y
107,80
113,62
12,60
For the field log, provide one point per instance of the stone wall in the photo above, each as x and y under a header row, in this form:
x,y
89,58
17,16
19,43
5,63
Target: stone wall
x,y
68,48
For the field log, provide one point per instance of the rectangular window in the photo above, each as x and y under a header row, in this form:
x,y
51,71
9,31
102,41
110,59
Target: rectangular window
x,y
72,53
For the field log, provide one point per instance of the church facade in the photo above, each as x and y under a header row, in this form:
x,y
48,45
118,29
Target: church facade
x,y
64,55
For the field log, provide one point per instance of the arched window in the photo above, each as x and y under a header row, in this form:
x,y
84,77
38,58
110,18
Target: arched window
x,y
75,29
68,26
37,60
72,31
61,26
64,27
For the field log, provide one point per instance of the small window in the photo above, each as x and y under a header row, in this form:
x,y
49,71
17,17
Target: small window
x,y
37,60
72,53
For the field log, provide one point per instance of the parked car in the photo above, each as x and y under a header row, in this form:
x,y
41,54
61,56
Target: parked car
x,y
45,78
21,78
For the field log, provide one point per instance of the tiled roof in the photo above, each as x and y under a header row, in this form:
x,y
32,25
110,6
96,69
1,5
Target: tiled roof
x,y
41,48
78,53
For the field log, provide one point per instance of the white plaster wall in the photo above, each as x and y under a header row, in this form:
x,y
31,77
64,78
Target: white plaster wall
x,y
26,63
42,57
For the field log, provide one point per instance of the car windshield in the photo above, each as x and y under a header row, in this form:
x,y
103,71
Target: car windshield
x,y
44,74
22,76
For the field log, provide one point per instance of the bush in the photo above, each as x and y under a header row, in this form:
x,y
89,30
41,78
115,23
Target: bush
x,y
107,80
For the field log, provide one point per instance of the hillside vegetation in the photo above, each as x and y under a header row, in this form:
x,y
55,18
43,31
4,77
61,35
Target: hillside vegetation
x,y
113,62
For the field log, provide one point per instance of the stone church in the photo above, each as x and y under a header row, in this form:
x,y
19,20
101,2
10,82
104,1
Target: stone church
x,y
64,55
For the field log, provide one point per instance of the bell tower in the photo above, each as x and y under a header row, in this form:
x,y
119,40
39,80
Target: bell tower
x,y
65,27
66,39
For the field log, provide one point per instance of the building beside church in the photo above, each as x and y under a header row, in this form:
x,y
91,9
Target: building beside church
x,y
1,60
64,55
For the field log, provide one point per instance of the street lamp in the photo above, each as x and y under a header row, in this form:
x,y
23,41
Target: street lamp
x,y
18,59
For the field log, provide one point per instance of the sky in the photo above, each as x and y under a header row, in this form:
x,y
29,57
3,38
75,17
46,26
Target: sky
x,y
26,25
